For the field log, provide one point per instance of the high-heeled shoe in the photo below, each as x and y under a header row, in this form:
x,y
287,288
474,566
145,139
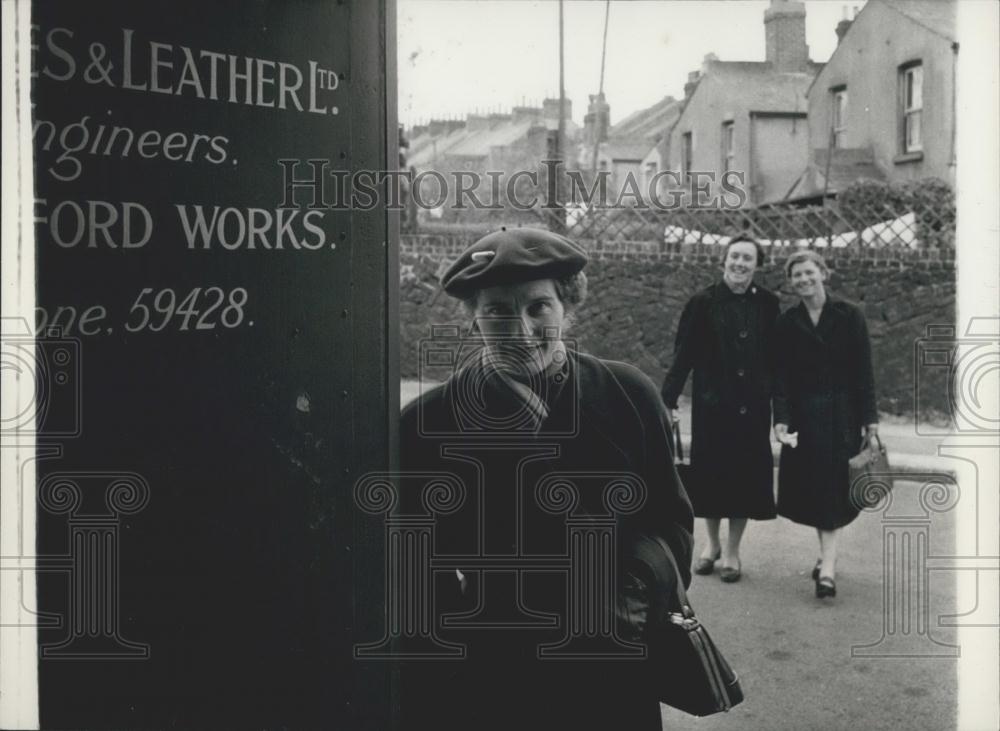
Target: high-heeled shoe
x,y
704,566
825,587
815,573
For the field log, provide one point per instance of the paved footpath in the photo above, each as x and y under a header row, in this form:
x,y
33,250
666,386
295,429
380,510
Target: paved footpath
x,y
794,652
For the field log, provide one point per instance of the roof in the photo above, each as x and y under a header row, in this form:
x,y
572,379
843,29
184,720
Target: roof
x,y
846,166
629,148
633,137
502,132
756,86
436,146
649,122
937,16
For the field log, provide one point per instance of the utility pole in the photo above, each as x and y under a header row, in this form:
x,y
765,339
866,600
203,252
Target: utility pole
x,y
562,122
600,88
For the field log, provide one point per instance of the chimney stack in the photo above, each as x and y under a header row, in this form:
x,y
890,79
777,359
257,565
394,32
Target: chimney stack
x,y
550,111
785,35
844,25
692,82
597,120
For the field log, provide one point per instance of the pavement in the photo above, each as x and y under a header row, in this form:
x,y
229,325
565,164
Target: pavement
x,y
875,657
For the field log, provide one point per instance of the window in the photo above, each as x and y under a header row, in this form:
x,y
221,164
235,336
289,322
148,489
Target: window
x,y
839,94
687,152
911,79
728,153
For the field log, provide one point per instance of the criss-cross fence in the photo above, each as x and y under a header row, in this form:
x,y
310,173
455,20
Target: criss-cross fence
x,y
917,215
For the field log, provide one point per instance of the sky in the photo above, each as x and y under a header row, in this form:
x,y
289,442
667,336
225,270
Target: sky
x,y
459,56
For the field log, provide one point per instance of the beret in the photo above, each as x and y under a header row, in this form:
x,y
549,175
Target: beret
x,y
510,256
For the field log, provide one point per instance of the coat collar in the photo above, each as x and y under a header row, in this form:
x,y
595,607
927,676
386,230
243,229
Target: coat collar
x,y
828,317
722,290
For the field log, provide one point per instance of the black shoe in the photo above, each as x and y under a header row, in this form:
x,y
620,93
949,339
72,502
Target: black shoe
x,y
705,566
825,587
730,574
815,573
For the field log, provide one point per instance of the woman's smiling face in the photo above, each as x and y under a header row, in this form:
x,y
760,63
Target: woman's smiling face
x,y
807,279
741,262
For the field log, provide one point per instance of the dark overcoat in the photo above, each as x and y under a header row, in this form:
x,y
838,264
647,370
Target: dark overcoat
x,y
825,392
726,339
606,427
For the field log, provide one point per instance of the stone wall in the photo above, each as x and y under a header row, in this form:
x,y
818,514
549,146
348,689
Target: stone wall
x,y
637,291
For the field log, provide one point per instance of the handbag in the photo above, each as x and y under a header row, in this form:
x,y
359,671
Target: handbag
x,y
870,473
689,672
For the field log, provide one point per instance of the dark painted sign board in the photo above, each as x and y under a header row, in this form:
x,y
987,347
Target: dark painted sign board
x,y
223,362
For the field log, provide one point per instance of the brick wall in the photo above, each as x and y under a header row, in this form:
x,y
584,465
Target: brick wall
x,y
637,291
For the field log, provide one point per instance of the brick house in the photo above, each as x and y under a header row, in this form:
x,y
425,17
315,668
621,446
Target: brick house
x,y
883,107
749,116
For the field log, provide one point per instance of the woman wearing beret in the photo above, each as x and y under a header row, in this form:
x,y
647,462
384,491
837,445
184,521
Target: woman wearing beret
x,y
541,437
725,337
824,402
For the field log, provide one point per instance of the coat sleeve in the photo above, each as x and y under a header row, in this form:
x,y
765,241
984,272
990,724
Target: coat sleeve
x,y
685,348
864,387
780,354
668,511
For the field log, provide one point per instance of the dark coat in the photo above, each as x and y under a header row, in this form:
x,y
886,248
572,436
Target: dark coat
x,y
607,421
824,391
726,339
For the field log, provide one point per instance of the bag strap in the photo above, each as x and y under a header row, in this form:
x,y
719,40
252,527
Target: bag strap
x,y
866,442
678,446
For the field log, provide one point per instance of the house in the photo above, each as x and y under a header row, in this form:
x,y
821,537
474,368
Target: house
x,y
749,117
635,146
883,107
496,142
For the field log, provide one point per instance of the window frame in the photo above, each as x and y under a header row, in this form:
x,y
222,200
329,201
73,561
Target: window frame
x,y
728,145
687,154
838,115
911,106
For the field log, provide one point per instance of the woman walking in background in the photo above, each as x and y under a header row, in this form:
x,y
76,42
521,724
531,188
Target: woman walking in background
x,y
724,336
824,401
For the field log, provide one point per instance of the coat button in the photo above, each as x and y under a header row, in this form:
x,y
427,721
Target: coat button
x,y
740,372
743,410
743,334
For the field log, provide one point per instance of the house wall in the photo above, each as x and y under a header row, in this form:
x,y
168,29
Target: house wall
x,y
703,117
867,61
780,153
780,147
